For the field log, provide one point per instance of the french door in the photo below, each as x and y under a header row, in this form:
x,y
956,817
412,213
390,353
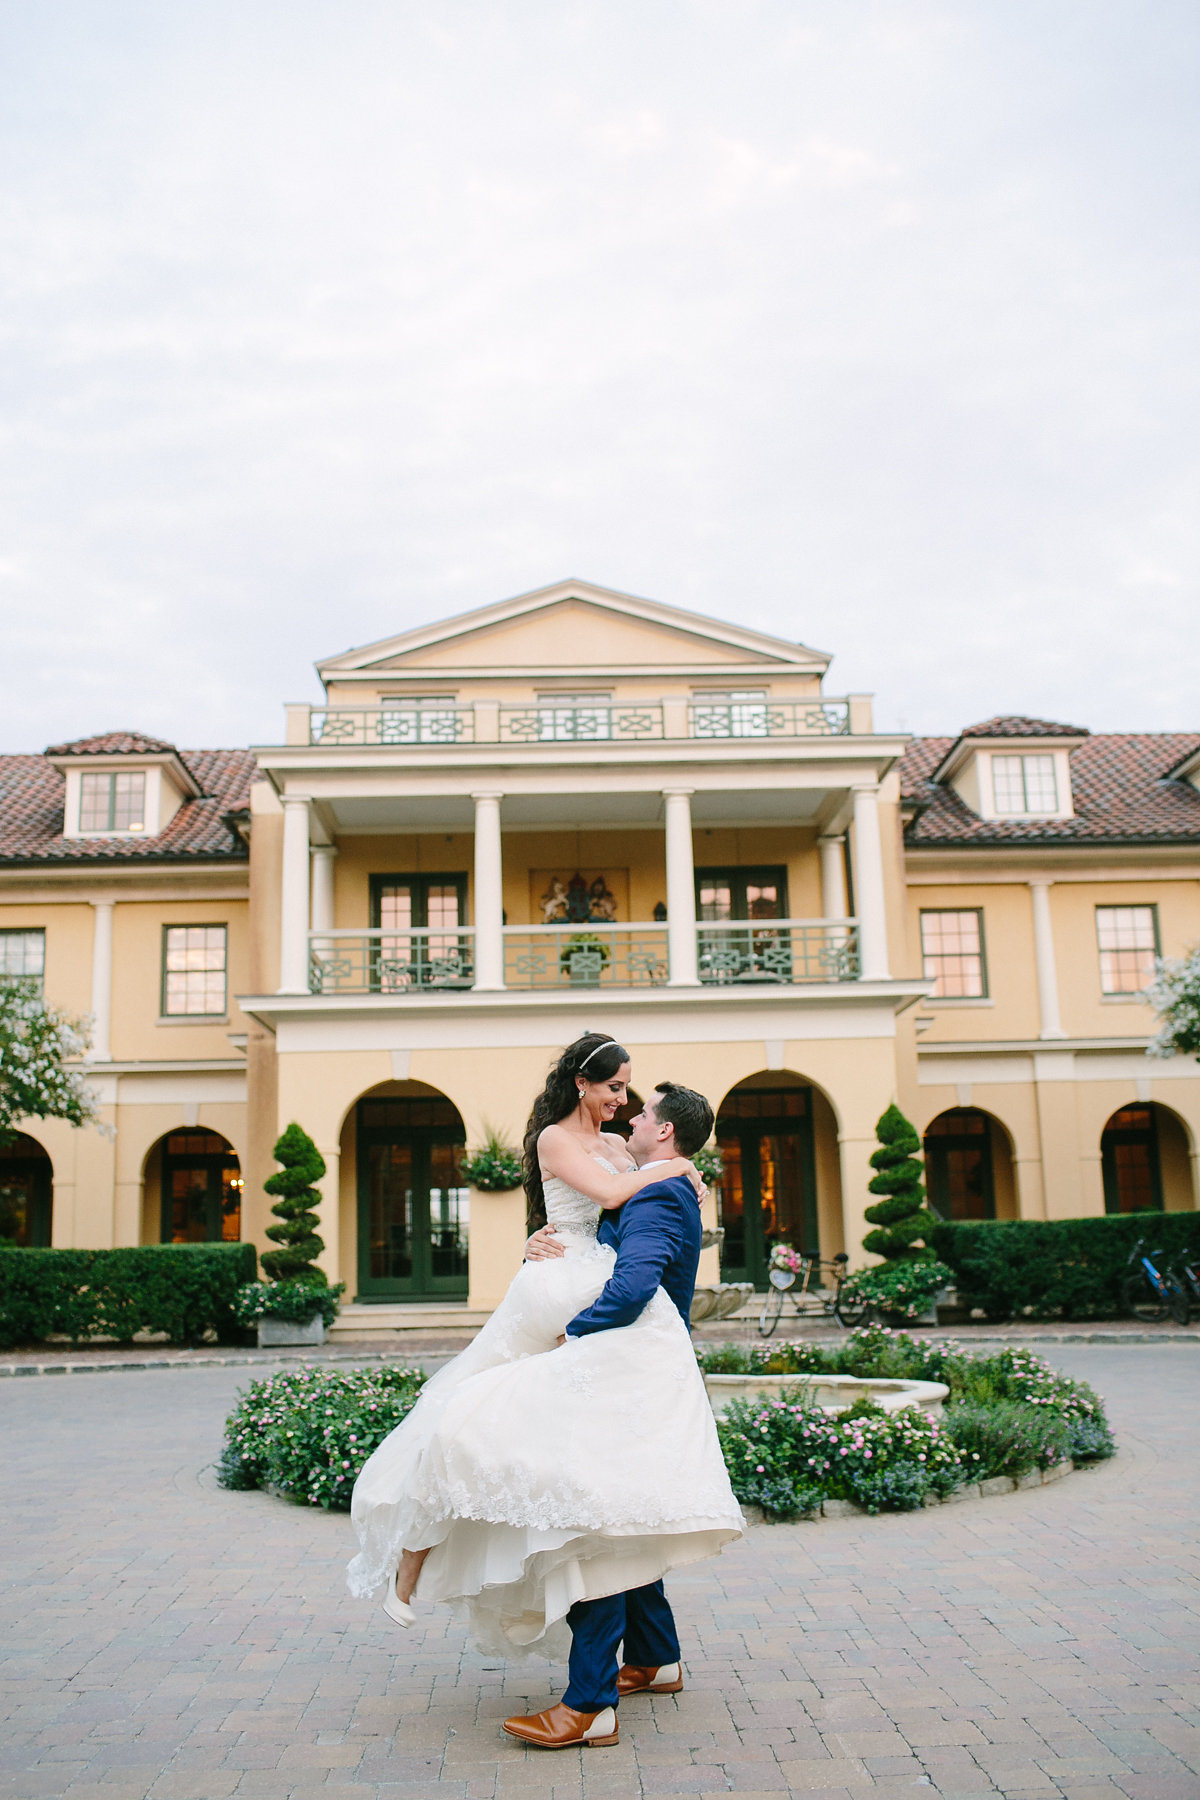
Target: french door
x,y
201,1190
413,1204
752,952
769,1187
421,946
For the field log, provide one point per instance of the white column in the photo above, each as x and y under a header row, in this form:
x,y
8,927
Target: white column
x,y
869,898
681,889
489,893
102,971
323,856
1043,950
293,909
833,877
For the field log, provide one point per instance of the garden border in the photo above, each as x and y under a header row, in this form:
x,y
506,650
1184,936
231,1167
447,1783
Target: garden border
x,y
973,1490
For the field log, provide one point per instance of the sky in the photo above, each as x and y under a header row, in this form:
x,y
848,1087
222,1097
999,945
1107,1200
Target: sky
x,y
871,325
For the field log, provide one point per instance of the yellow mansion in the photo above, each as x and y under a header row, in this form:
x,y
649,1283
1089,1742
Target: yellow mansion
x,y
574,810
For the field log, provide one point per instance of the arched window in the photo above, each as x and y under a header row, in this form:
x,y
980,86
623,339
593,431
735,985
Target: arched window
x,y
201,1189
1129,1160
26,1193
959,1171
413,1204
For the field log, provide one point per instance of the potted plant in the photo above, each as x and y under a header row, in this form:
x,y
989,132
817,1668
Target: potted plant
x,y
496,1167
903,1224
297,1305
583,957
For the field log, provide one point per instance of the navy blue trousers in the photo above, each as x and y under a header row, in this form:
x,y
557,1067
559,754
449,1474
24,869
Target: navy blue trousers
x,y
642,1618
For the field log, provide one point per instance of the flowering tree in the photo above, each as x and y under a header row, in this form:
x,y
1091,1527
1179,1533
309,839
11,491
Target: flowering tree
x,y
1175,995
36,1044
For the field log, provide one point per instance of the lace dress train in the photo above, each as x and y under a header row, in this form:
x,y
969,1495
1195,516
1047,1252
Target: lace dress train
x,y
539,1476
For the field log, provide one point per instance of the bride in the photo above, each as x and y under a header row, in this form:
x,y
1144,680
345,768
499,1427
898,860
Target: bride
x,y
534,1473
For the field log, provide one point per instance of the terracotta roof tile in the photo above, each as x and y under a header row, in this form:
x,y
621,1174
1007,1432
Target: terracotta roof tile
x,y
31,812
1120,785
1012,725
114,743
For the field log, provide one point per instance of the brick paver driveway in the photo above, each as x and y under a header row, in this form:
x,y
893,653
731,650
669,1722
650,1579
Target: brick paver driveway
x,y
165,1639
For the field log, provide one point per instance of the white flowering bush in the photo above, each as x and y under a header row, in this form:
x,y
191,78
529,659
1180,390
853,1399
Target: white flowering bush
x,y
306,1433
1175,996
36,1044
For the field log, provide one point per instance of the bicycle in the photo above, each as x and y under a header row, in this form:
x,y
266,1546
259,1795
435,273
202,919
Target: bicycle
x,y
1186,1270
1150,1296
810,1302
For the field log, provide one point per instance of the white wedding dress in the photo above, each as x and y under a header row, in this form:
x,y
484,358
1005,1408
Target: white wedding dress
x,y
543,1475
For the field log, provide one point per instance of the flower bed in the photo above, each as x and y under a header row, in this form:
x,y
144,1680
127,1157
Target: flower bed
x,y
1007,1414
306,1433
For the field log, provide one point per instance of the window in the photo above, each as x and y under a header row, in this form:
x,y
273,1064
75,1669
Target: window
x,y
429,719
418,917
759,954
1128,941
193,970
571,716
1130,1163
1024,784
112,802
201,1190
952,953
742,712
23,956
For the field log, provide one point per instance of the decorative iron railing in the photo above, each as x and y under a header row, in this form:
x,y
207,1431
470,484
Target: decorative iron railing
x,y
779,950
392,725
417,960
768,719
400,725
580,724
585,956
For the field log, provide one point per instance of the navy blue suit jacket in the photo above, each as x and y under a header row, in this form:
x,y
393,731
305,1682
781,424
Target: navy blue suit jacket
x,y
657,1240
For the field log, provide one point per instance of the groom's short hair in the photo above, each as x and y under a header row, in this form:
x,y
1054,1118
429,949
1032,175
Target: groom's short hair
x,y
688,1111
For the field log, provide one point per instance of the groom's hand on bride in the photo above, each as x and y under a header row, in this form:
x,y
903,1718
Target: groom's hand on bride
x,y
543,1245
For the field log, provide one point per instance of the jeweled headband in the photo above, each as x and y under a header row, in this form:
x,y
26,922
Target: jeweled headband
x,y
608,1044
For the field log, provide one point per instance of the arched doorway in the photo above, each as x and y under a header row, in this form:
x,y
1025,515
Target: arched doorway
x,y
968,1165
413,1204
199,1182
1145,1159
768,1193
26,1193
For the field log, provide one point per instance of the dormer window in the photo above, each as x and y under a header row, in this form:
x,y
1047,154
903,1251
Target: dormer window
x,y
1024,784
112,802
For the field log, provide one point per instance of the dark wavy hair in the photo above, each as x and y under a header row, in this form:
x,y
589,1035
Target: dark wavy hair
x,y
603,1056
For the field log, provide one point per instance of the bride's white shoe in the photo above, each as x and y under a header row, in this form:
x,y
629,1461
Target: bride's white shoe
x,y
399,1611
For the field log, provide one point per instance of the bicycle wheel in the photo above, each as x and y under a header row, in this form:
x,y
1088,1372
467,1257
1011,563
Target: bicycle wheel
x,y
850,1312
772,1306
1181,1310
1142,1299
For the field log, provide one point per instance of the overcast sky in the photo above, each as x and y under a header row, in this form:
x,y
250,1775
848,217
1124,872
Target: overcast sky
x,y
871,325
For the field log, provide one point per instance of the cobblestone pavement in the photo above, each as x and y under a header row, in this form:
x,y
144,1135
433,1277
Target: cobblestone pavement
x,y
164,1639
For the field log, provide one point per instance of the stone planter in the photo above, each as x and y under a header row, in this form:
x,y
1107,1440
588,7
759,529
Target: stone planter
x,y
831,1392
276,1333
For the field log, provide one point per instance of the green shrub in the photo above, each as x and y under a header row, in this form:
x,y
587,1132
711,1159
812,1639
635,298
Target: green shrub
x,y
295,1301
1003,1437
306,1433
1055,1268
905,1287
726,1359
496,1168
296,1232
183,1291
901,1219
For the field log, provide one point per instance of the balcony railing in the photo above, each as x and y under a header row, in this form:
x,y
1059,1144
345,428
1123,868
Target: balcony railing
x,y
655,720
423,960
418,960
782,950
588,956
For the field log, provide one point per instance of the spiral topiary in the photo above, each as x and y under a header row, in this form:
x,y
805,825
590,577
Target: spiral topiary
x,y
900,1219
296,1233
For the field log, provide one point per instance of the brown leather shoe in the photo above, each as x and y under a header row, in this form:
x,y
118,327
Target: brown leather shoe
x,y
560,1727
633,1680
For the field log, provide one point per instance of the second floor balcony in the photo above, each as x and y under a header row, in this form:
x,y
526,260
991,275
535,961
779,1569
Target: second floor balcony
x,y
781,952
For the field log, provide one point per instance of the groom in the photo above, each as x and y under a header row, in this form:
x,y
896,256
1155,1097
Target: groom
x,y
657,1239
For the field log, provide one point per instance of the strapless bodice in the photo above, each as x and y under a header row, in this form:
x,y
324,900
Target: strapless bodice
x,y
570,1212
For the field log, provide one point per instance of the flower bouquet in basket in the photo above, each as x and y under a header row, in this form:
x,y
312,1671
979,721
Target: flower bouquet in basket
x,y
784,1266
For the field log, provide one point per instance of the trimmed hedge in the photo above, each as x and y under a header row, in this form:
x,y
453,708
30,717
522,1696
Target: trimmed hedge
x,y
184,1291
1055,1268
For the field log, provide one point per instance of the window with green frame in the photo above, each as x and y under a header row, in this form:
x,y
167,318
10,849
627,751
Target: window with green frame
x,y
420,918
194,971
952,952
23,955
751,952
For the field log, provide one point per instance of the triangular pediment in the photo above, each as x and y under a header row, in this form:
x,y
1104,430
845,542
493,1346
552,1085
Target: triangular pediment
x,y
575,627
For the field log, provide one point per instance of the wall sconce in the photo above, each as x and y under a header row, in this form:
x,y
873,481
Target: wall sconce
x,y
660,913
